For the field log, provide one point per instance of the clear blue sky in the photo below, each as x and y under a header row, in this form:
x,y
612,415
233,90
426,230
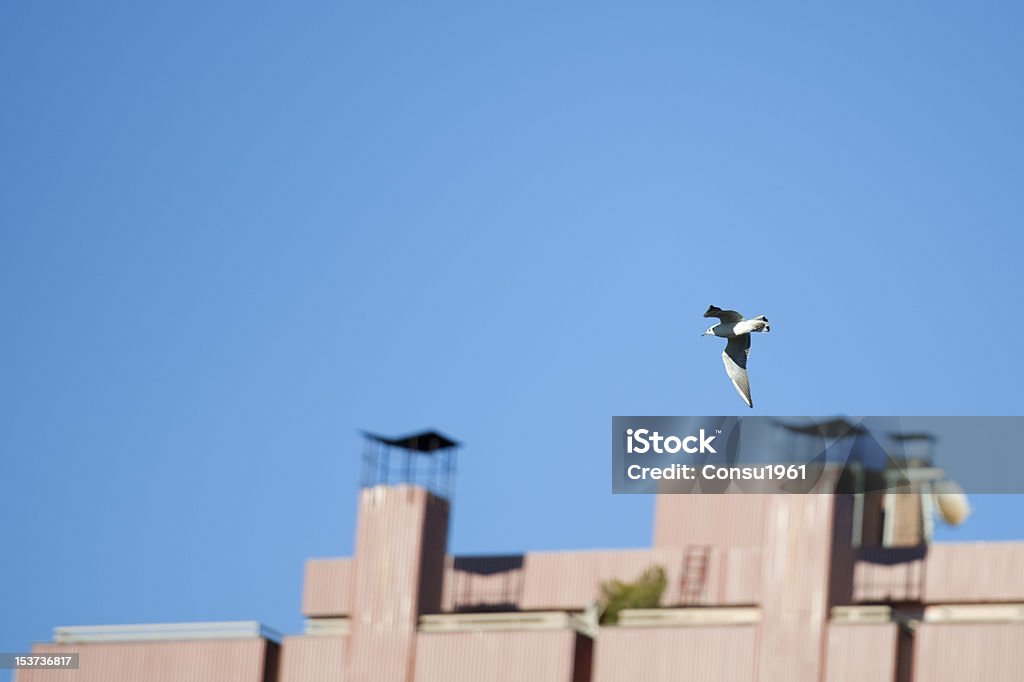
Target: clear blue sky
x,y
231,235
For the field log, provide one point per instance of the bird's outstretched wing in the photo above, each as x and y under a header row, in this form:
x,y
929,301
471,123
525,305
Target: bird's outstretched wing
x,y
735,358
723,315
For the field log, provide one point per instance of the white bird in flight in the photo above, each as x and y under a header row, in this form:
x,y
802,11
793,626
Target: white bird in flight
x,y
737,330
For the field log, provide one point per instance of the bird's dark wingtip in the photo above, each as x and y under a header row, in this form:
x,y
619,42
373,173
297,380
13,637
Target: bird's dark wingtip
x,y
711,311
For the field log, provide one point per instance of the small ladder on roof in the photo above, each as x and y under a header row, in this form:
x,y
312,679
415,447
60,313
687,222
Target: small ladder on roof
x,y
695,572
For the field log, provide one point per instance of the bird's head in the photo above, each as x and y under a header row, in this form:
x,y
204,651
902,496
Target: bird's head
x,y
711,330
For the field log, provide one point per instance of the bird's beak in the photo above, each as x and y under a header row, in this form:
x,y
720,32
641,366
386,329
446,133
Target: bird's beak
x,y
704,334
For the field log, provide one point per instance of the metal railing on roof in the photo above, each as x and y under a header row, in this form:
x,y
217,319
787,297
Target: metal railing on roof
x,y
155,632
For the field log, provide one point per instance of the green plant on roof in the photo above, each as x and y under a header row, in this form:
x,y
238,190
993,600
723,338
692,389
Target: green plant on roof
x,y
642,593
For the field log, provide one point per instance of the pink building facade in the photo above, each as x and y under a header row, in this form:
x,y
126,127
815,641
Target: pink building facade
x,y
759,587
